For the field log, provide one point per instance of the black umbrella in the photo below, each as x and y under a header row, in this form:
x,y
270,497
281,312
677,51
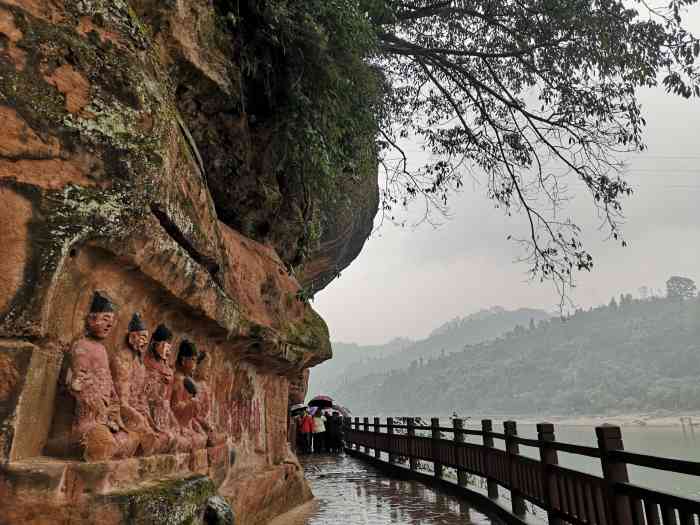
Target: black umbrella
x,y
321,402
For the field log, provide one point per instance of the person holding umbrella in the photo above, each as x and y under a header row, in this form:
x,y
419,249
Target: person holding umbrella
x,y
295,436
319,431
317,404
306,428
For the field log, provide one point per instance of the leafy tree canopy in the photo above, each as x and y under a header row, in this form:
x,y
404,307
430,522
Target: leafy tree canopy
x,y
520,92
680,288
527,91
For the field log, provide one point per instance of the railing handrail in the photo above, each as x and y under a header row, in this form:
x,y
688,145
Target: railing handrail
x,y
678,466
633,458
567,495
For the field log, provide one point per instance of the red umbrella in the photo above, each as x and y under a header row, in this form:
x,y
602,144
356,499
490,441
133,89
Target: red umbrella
x,y
321,402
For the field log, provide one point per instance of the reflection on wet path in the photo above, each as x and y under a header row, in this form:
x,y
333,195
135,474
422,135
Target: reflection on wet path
x,y
350,492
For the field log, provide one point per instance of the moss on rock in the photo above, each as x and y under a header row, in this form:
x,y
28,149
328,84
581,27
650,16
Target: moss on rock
x,y
172,502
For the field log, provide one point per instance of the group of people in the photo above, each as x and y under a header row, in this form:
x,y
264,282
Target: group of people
x,y
319,432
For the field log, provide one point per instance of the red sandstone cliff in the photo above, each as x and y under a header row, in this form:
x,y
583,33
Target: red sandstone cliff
x,y
115,125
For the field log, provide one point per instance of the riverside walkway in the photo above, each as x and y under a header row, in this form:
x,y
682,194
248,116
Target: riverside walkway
x,y
409,472
349,491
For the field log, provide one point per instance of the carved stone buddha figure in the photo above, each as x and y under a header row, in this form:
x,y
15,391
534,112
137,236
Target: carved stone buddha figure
x,y
130,383
159,385
184,397
97,427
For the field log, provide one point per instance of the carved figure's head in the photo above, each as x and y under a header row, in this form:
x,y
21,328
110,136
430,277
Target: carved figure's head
x,y
138,334
187,357
101,318
160,343
203,367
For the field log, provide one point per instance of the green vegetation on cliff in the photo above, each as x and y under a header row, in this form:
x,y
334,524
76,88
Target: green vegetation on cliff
x,y
631,355
305,75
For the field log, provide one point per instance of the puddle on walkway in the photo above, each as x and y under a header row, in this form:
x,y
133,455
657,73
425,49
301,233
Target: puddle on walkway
x,y
350,492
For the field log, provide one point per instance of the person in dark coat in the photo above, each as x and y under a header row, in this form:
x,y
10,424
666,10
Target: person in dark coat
x,y
334,432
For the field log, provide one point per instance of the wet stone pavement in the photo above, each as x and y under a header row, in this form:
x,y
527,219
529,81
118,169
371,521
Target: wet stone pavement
x,y
351,492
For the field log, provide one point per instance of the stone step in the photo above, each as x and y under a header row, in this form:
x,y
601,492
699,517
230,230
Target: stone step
x,y
61,480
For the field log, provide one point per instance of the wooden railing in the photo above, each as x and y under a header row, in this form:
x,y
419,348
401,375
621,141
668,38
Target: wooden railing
x,y
567,496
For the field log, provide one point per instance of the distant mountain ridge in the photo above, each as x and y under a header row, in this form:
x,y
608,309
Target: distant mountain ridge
x,y
352,361
638,355
455,323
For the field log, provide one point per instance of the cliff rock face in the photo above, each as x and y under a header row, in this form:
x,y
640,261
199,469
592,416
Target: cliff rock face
x,y
117,121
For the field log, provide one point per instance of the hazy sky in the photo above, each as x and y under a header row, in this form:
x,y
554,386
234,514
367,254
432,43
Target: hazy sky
x,y
408,281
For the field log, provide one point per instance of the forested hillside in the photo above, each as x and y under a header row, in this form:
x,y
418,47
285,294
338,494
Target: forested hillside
x,y
351,361
627,356
349,357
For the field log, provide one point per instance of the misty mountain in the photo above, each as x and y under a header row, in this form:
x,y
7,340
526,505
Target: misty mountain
x,y
352,361
633,356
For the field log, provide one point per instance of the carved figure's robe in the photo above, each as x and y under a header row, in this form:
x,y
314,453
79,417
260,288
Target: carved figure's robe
x,y
159,386
184,407
130,377
97,425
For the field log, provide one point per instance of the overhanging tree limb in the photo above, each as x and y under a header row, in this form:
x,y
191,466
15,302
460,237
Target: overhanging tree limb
x,y
521,82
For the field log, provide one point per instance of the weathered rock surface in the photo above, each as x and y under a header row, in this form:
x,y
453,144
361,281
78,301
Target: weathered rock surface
x,y
236,149
120,135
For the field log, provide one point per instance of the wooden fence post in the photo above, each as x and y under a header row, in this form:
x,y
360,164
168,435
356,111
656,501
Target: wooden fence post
x,y
610,439
548,456
690,426
458,425
365,423
510,429
346,431
435,435
487,428
390,432
411,433
357,427
377,452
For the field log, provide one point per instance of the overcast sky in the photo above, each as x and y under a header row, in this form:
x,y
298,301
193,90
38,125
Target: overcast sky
x,y
408,281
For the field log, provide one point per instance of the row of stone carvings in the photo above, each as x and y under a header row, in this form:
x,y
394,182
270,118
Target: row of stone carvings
x,y
135,403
